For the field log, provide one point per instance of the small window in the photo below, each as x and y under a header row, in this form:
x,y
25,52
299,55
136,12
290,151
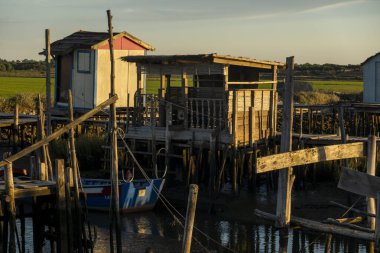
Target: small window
x,y
83,62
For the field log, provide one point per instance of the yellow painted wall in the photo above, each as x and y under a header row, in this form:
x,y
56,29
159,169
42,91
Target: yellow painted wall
x,y
125,76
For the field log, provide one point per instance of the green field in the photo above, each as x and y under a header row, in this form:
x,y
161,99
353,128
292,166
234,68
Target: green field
x,y
337,86
11,86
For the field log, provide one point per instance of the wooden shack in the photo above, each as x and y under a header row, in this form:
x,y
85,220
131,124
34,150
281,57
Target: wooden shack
x,y
198,94
82,63
371,79
202,109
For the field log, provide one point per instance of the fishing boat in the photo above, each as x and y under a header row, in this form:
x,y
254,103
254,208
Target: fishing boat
x,y
134,196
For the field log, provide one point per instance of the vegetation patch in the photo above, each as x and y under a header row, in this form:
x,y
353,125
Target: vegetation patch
x,y
316,98
337,86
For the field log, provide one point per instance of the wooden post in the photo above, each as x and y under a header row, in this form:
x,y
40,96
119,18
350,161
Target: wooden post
x,y
286,177
41,134
75,169
15,127
10,199
68,184
114,155
48,81
377,229
371,170
153,129
22,227
272,123
61,205
190,217
16,116
185,90
161,102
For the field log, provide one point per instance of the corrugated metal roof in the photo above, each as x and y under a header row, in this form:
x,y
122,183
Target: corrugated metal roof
x,y
203,58
86,39
370,58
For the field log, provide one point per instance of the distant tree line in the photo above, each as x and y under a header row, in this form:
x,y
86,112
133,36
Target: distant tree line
x,y
306,70
328,71
30,65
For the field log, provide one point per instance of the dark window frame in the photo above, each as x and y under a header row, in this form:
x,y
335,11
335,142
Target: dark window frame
x,y
89,61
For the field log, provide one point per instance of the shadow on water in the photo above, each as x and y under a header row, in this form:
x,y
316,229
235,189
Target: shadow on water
x,y
163,234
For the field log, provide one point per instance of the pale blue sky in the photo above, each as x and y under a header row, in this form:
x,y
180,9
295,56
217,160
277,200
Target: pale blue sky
x,y
315,31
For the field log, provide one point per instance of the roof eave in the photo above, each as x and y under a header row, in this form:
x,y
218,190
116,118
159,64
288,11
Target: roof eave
x,y
128,36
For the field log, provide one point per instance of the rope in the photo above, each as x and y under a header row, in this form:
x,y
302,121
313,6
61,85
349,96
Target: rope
x,y
166,202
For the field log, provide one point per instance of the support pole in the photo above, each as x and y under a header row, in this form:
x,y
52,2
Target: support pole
x,y
371,170
48,81
61,206
286,177
377,229
75,169
190,217
114,155
15,128
10,198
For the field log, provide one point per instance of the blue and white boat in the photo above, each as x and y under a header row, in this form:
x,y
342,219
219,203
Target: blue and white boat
x,y
134,196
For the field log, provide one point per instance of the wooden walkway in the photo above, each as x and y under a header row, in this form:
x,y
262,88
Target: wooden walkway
x,y
30,188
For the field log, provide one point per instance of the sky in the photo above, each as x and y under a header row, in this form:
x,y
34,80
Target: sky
x,y
314,31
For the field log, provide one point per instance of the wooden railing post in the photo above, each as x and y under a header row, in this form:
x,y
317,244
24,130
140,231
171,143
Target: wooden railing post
x,y
371,170
190,217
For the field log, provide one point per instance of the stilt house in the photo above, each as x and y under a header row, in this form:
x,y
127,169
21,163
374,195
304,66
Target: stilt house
x,y
82,63
193,96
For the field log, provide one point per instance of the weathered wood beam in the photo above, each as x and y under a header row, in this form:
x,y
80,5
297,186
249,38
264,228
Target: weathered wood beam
x,y
318,226
352,209
348,225
58,133
310,155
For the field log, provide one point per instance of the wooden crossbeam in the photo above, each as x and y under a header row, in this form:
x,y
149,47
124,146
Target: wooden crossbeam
x,y
58,133
359,183
310,155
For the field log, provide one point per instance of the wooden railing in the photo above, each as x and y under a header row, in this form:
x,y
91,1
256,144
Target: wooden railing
x,y
206,113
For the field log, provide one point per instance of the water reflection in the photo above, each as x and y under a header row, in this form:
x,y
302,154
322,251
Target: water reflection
x,y
157,228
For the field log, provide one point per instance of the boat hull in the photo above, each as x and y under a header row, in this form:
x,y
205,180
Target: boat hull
x,y
136,196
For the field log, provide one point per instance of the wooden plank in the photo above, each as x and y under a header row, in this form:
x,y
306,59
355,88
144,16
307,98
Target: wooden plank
x,y
359,183
344,207
310,155
58,133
